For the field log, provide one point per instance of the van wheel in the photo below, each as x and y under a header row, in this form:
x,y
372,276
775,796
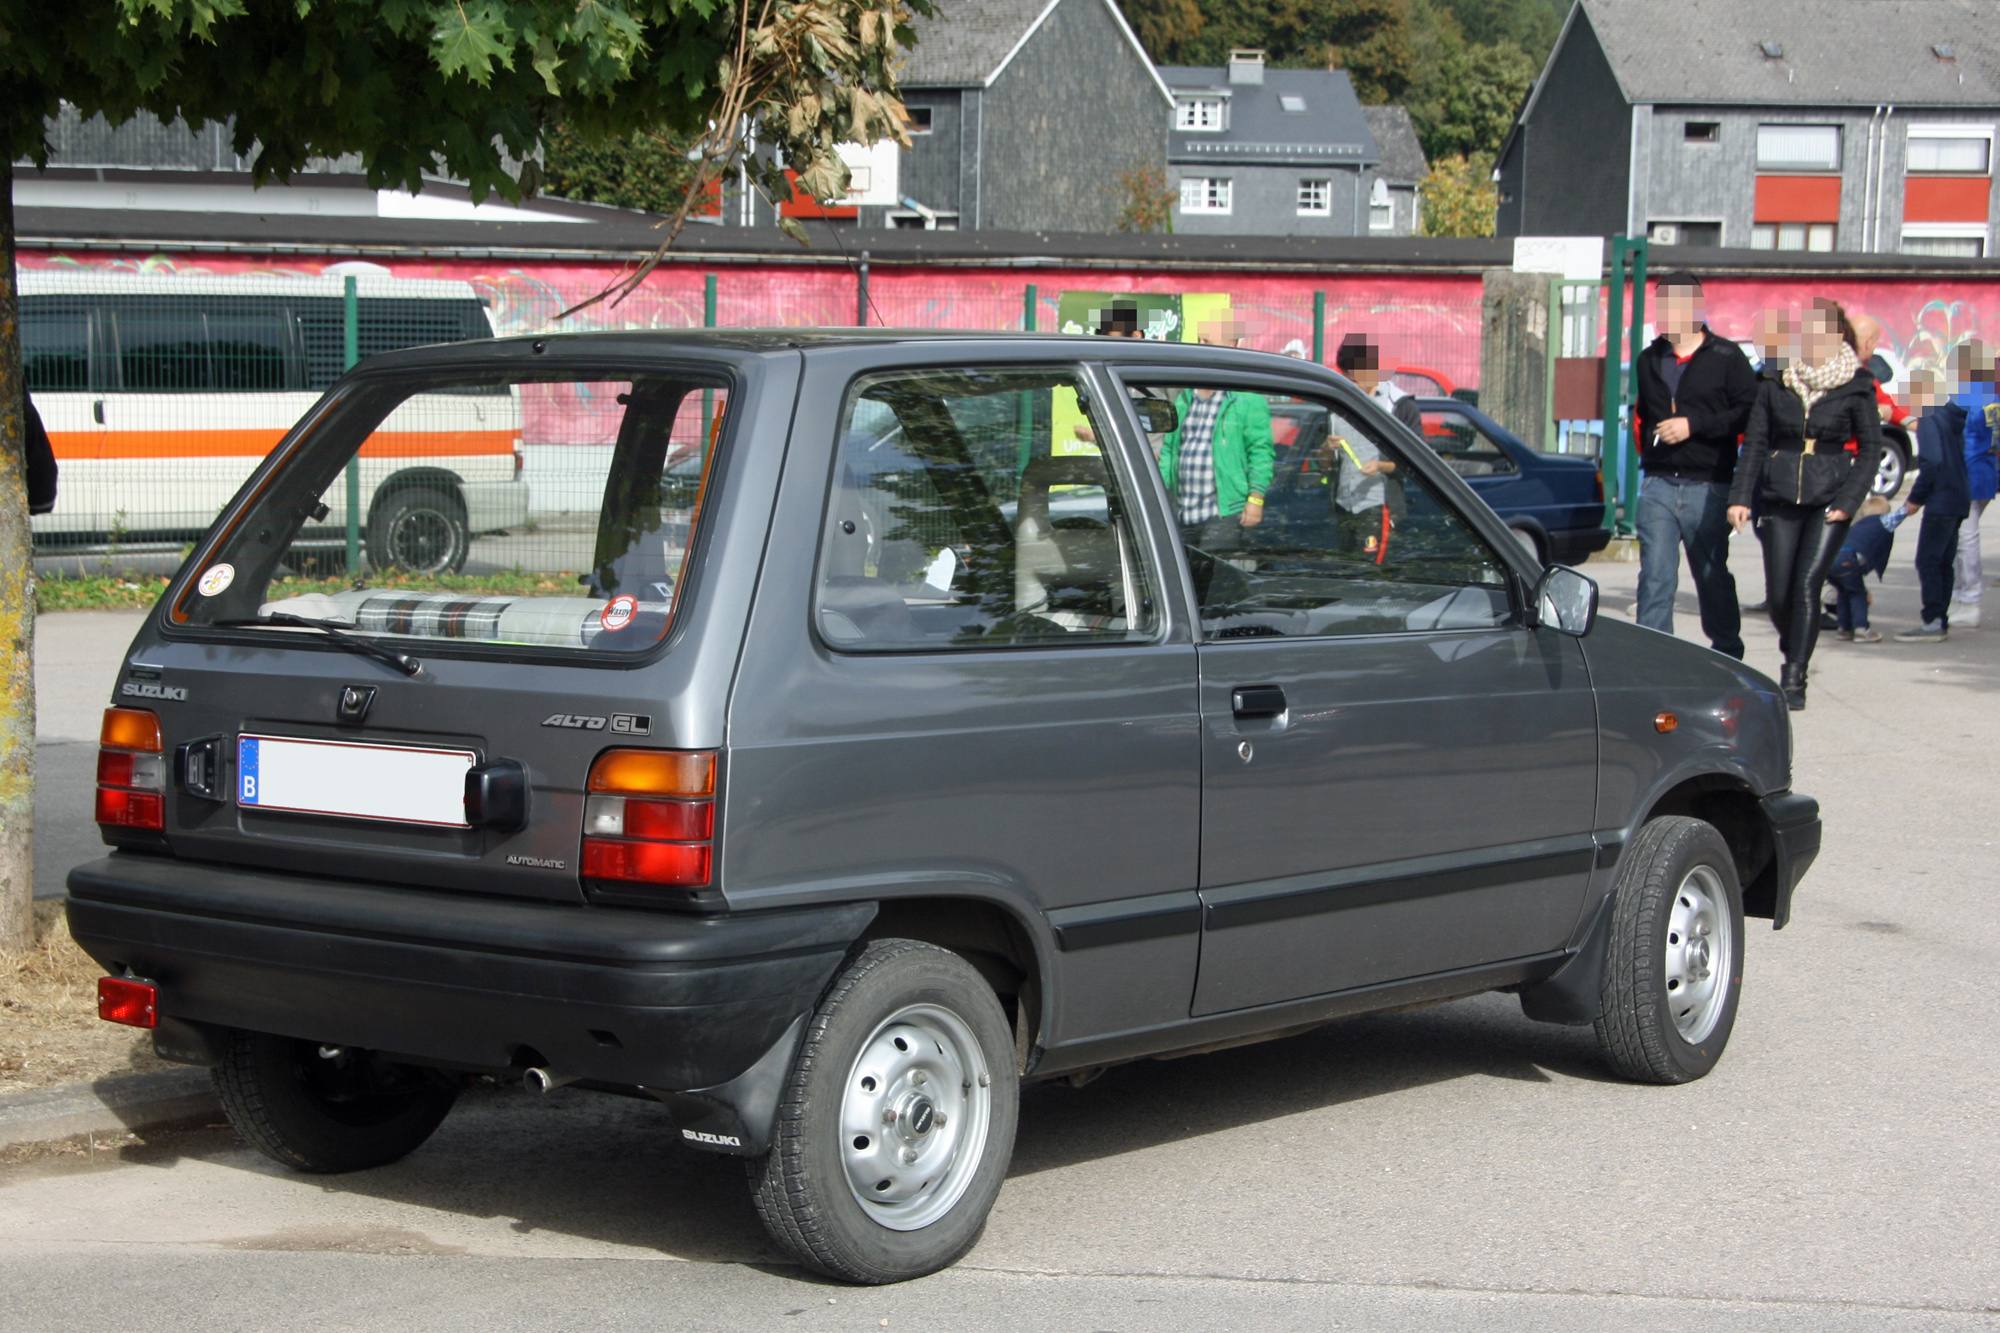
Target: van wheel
x,y
327,1113
1673,969
897,1125
420,530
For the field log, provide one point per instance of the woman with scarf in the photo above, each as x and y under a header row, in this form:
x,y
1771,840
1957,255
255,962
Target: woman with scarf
x,y
1810,450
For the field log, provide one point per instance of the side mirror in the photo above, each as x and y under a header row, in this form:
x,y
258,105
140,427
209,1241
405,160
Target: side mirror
x,y
1566,600
1156,415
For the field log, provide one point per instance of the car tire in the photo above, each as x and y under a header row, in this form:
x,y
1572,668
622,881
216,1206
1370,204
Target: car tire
x,y
1531,544
1673,967
327,1113
419,530
1889,474
881,1170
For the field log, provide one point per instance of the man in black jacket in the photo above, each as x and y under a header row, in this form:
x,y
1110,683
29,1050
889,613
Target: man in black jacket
x,y
1695,391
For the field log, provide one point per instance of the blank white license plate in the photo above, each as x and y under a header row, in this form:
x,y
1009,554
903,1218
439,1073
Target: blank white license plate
x,y
403,783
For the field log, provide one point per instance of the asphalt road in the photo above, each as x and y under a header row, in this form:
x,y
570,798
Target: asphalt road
x,y
1454,1167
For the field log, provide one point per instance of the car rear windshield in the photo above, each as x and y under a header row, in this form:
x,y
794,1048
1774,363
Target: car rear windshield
x,y
511,513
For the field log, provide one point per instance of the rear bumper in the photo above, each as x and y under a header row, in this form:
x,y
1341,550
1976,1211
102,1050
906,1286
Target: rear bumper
x,y
1568,544
632,998
1795,838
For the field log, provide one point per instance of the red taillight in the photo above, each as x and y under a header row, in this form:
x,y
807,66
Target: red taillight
x,y
1600,486
649,818
133,1003
131,771
680,864
131,809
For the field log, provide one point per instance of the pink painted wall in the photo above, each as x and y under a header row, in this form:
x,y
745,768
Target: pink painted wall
x,y
1431,321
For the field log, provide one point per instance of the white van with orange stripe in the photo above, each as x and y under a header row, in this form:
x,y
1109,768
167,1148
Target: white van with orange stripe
x,y
161,394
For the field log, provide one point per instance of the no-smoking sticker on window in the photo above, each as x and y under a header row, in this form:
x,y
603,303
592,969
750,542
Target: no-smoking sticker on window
x,y
619,614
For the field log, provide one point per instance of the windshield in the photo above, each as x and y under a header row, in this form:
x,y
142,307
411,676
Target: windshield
x,y
545,513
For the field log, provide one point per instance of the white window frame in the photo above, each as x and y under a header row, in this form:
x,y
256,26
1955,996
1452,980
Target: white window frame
x,y
1211,195
1778,168
1315,185
1948,131
1188,117
1949,231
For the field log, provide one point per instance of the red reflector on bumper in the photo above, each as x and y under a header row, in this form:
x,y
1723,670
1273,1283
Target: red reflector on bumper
x,y
684,865
133,1003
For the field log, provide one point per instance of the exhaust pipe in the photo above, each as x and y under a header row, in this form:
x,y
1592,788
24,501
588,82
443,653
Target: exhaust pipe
x,y
540,1080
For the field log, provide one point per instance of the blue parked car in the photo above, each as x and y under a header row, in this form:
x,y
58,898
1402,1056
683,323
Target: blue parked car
x,y
1553,502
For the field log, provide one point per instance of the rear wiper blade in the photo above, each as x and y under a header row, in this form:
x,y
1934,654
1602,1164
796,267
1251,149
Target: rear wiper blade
x,y
409,666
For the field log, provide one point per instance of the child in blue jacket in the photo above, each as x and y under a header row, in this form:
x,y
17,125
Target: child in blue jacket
x,y
1945,494
1863,551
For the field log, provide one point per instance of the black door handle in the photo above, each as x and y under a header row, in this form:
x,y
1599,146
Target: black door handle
x,y
1257,701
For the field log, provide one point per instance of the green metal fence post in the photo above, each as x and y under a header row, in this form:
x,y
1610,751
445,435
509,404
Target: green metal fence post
x,y
1028,309
1319,328
1636,248
351,353
1024,406
707,322
1610,451
861,291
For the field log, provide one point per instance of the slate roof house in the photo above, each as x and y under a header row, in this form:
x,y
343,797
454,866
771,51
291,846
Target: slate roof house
x,y
1282,152
1395,196
1855,125
1024,113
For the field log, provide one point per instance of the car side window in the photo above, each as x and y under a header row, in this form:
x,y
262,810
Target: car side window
x,y
1349,539
1469,451
974,509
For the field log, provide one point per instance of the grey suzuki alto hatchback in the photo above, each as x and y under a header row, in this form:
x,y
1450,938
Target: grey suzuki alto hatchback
x,y
931,714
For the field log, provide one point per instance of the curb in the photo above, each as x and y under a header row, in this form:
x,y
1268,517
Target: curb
x,y
107,1106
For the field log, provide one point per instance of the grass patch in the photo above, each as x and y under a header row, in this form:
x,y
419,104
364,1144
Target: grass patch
x,y
118,592
49,1029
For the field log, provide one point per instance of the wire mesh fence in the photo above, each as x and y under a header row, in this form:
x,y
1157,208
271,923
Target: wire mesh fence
x,y
162,394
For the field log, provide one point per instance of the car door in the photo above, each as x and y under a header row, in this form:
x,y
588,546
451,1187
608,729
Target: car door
x,y
1398,772
963,680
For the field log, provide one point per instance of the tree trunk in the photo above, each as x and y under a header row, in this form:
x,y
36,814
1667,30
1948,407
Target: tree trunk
x,y
17,613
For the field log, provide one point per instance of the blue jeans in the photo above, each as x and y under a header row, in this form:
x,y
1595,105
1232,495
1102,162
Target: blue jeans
x,y
1694,514
1850,591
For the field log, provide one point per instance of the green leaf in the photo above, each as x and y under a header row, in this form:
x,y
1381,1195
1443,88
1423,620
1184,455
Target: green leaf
x,y
471,41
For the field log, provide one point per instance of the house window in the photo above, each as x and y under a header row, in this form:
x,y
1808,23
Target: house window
x,y
1315,198
1292,104
1966,155
1798,148
1703,131
920,119
1205,194
1201,115
1944,247
1382,217
1793,236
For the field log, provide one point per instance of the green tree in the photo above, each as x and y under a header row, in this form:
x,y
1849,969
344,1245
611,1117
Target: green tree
x,y
647,171
1146,201
1366,37
1460,198
1467,98
1164,27
468,88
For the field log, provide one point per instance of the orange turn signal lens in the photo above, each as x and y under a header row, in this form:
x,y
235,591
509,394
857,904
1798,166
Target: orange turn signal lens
x,y
1665,722
131,729
654,773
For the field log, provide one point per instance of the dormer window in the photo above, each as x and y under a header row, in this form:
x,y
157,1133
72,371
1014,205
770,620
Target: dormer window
x,y
1201,115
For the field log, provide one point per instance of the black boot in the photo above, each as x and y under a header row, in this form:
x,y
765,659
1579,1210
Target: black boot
x,y
1792,680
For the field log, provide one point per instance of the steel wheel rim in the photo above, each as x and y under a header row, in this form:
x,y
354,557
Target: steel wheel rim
x,y
914,1116
1889,472
421,541
1700,955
